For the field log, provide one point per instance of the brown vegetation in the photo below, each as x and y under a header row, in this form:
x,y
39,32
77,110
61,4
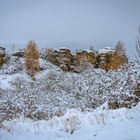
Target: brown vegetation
x,y
32,58
119,57
126,101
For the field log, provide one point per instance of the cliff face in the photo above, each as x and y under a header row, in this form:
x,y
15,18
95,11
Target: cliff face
x,y
73,62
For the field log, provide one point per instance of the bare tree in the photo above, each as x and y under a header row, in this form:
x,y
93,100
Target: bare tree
x,y
138,43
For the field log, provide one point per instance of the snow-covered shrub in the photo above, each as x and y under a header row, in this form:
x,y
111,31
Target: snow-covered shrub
x,y
18,83
42,53
71,123
14,65
10,108
137,90
122,100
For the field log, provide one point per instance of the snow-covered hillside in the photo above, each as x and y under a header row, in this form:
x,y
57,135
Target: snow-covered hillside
x,y
57,103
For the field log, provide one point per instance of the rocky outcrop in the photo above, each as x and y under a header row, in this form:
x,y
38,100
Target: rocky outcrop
x,y
68,61
2,56
62,57
104,59
18,53
85,56
2,52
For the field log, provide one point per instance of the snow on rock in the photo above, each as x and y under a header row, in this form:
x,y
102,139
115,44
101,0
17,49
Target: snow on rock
x,y
2,51
106,50
14,65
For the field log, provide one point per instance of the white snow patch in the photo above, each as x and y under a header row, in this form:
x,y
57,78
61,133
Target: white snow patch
x,y
122,124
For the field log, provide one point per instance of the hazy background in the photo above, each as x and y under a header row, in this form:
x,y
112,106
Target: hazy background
x,y
71,23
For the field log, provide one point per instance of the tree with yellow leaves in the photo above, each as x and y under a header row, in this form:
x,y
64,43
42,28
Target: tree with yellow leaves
x,y
119,57
32,58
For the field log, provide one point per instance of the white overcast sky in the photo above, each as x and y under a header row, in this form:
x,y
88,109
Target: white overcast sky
x,y
98,22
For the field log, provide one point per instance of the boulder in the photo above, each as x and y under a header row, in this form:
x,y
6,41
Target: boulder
x,y
18,53
2,52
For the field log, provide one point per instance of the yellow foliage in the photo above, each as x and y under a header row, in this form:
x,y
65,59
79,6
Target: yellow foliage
x,y
32,58
119,57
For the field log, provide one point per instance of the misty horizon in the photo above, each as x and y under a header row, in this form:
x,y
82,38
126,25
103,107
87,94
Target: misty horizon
x,y
76,23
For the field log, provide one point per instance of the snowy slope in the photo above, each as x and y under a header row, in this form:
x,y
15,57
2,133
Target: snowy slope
x,y
122,124
54,91
61,105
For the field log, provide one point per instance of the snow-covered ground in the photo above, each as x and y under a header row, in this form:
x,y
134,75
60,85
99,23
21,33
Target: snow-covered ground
x,y
80,101
120,124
